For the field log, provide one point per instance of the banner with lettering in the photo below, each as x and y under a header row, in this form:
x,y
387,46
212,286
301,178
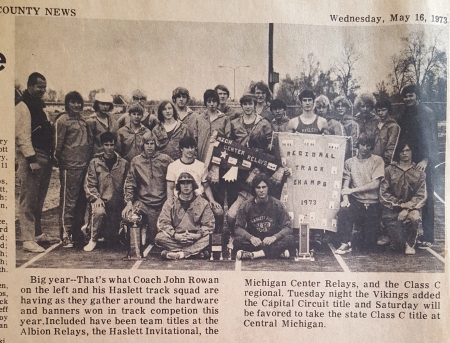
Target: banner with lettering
x,y
312,192
233,156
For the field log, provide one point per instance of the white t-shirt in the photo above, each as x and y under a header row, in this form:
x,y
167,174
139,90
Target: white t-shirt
x,y
362,171
196,169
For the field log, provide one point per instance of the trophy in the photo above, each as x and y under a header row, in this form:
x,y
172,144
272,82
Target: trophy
x,y
135,236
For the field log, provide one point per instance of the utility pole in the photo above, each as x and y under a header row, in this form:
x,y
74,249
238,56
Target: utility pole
x,y
273,77
234,77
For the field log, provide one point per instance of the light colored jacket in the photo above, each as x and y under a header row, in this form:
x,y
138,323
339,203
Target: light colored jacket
x,y
260,134
73,144
386,139
403,187
129,142
170,146
103,183
97,128
197,218
220,126
146,179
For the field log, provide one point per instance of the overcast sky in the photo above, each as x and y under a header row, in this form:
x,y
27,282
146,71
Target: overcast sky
x,y
120,56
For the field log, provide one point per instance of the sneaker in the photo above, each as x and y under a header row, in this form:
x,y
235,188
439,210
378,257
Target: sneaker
x,y
424,245
343,249
285,254
32,246
90,246
244,255
383,240
44,238
409,250
172,255
67,242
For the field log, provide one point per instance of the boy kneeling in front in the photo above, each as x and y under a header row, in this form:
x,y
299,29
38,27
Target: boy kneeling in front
x,y
185,222
104,190
403,194
263,227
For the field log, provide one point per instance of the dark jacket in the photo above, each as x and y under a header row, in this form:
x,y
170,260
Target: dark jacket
x,y
418,126
263,219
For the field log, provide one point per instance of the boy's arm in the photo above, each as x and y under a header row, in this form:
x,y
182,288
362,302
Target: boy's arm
x,y
207,222
323,126
387,199
209,195
165,218
419,198
285,223
91,185
374,184
241,223
130,184
60,134
393,133
377,175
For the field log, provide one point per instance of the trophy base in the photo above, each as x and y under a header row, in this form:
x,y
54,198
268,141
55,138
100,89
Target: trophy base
x,y
133,258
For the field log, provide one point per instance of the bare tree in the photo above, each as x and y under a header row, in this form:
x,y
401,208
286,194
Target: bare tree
x,y
311,77
399,76
287,90
310,71
421,59
382,90
345,66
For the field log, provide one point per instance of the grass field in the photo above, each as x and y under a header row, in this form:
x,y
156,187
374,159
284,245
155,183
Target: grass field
x,y
112,256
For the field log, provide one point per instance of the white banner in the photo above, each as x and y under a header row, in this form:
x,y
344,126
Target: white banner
x,y
312,192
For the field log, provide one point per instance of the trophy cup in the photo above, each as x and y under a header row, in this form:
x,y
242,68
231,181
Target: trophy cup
x,y
135,238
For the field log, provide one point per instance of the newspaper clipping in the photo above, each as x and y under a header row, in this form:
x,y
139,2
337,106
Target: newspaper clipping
x,y
223,171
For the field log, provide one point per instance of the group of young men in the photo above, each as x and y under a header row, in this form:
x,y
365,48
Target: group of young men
x,y
125,168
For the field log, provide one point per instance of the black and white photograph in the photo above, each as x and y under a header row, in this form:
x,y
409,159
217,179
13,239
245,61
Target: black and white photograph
x,y
170,145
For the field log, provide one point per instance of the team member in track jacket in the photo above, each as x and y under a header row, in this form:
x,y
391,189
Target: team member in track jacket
x,y
148,119
403,194
418,126
223,93
73,150
263,97
145,188
104,190
185,222
187,163
386,133
169,131
343,110
213,123
101,121
368,121
322,108
280,121
129,140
